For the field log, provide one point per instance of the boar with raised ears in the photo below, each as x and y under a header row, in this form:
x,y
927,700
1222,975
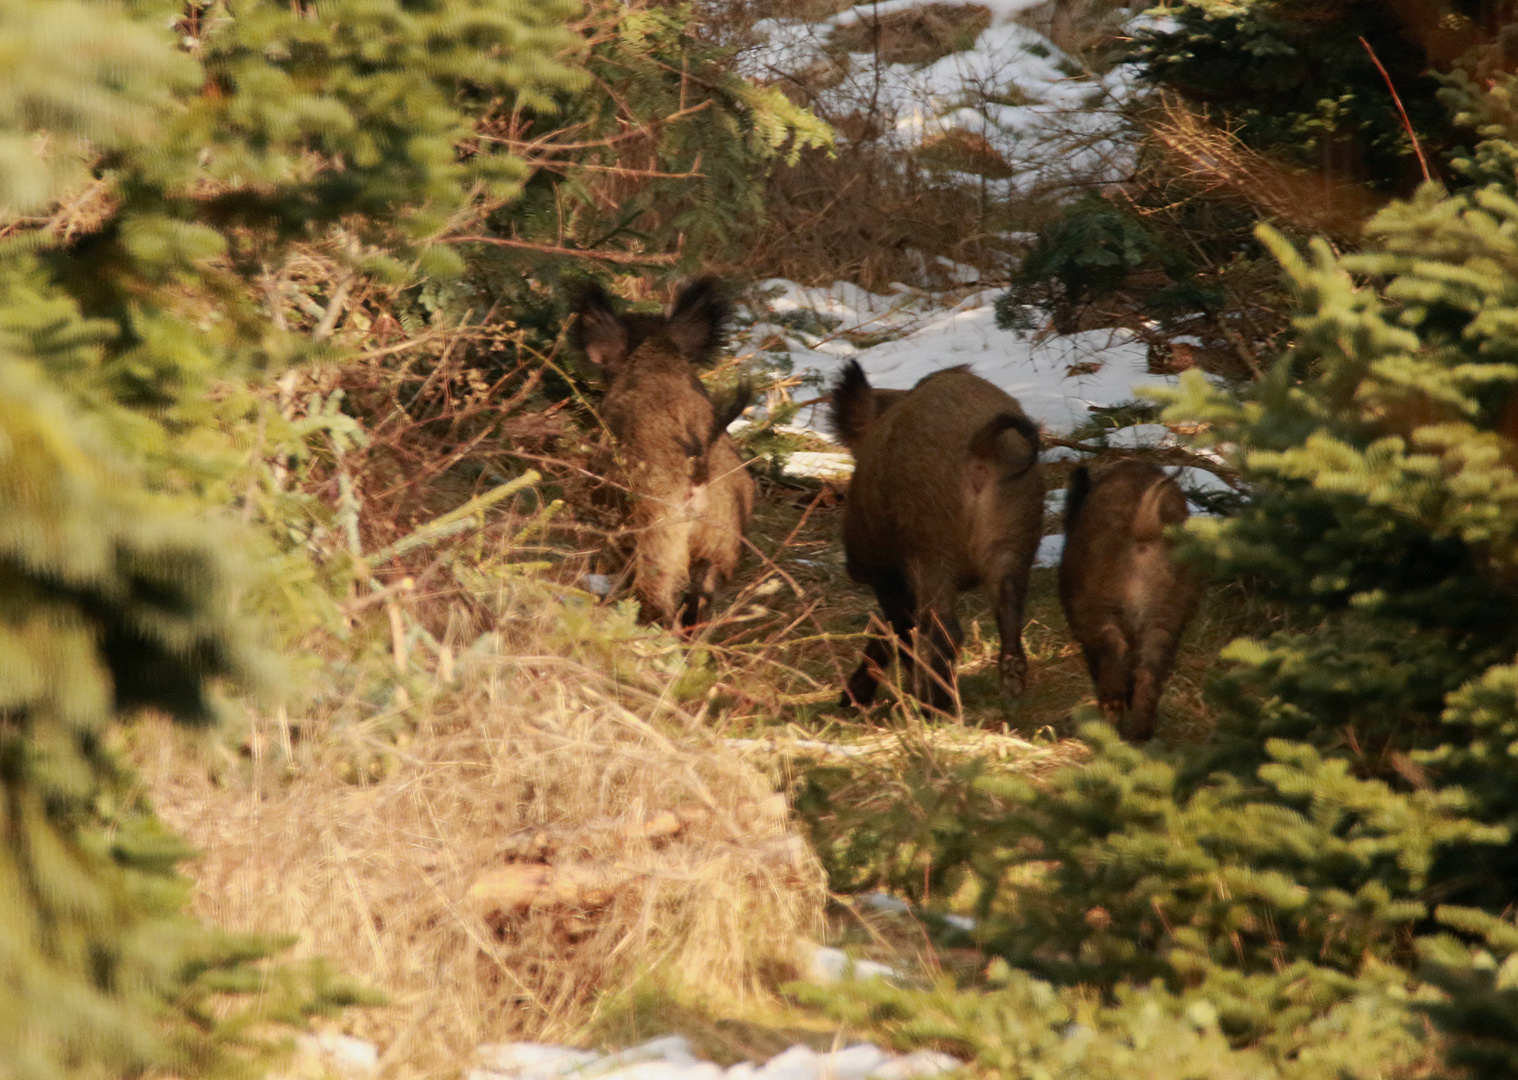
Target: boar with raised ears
x,y
1126,597
690,495
946,495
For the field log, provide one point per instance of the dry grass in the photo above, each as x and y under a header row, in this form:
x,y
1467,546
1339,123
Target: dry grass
x,y
1311,202
473,723
696,878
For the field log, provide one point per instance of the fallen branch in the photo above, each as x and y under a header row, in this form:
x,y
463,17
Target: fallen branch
x,y
579,253
455,520
1162,455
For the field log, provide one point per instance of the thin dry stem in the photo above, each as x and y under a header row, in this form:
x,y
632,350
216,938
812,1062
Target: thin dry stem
x,y
1305,200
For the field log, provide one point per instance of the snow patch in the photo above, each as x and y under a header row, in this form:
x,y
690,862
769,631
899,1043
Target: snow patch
x,y
346,1055
671,1058
1012,87
830,965
822,465
1058,380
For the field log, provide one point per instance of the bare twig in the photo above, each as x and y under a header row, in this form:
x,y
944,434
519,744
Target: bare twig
x,y
1407,124
414,343
335,307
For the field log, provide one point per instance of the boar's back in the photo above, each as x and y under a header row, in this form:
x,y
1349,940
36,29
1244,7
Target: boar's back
x,y
907,497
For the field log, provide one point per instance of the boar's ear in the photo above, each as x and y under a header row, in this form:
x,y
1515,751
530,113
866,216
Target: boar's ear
x,y
695,322
598,332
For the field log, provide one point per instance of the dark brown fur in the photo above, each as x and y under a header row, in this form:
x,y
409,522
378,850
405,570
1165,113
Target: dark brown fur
x,y
690,494
1125,596
946,495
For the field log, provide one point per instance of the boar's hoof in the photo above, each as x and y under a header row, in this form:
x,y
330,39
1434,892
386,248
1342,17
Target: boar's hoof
x,y
859,692
1014,674
1112,712
1137,729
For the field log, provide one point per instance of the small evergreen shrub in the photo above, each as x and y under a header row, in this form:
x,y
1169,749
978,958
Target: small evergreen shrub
x,y
1341,856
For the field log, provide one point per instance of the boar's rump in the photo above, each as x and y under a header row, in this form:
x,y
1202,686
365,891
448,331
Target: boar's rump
x,y
946,495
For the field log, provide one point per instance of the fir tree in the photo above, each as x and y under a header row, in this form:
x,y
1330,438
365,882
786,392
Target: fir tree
x,y
1301,82
1309,114
156,164
162,166
1350,838
111,600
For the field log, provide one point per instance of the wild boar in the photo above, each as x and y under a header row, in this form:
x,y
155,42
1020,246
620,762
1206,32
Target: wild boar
x,y
690,496
1126,597
946,495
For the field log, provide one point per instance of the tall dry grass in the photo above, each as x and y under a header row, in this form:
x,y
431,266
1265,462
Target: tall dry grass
x,y
1222,166
531,847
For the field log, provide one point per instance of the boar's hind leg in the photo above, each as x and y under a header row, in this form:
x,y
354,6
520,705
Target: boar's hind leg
x,y
661,567
896,604
1111,671
1156,656
936,644
1012,661
698,602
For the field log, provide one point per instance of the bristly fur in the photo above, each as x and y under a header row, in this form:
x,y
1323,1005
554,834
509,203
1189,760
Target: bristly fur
x,y
983,444
1126,596
852,410
938,503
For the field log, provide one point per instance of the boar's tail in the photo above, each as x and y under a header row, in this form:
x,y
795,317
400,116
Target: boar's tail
x,y
853,407
1161,504
726,411
983,443
1075,495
